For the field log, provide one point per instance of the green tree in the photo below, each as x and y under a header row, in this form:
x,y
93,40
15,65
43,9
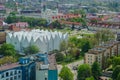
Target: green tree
x,y
116,71
63,45
31,49
109,61
93,10
12,18
66,74
7,50
104,36
7,59
86,47
84,71
96,70
75,53
59,57
116,61
118,77
56,24
90,78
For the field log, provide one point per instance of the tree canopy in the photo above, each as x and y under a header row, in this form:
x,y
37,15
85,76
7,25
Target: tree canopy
x,y
104,35
66,74
118,77
59,57
116,71
31,50
7,59
56,24
115,61
86,47
63,45
96,70
90,78
7,50
84,71
33,22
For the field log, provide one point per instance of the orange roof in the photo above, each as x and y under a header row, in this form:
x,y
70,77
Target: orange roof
x,y
65,16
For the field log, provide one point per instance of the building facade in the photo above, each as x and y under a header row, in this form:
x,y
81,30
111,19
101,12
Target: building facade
x,y
33,67
118,36
45,40
24,70
101,53
46,67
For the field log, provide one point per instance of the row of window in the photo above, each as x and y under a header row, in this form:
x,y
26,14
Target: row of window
x,y
10,73
14,78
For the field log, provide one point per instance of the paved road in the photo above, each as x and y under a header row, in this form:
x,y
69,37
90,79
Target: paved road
x,y
71,65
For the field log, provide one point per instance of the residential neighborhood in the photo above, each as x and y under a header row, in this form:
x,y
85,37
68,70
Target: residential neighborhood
x,y
59,40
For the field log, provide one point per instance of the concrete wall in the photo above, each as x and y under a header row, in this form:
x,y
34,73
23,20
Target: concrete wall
x,y
41,74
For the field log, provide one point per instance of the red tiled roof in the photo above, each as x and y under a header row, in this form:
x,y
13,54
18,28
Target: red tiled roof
x,y
65,16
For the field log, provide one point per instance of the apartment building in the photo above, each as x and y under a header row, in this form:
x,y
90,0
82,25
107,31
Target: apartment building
x,y
33,67
23,70
101,53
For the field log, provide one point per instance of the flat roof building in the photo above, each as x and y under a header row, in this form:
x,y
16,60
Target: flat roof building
x,y
33,67
46,67
23,70
101,53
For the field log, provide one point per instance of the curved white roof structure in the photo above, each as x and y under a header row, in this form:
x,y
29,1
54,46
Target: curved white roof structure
x,y
45,40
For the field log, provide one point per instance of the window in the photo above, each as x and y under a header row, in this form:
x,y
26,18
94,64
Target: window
x,y
11,78
19,76
15,77
45,78
15,72
11,73
19,71
2,75
7,74
7,79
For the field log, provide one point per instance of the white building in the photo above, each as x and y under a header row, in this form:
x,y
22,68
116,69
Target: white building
x,y
44,40
48,13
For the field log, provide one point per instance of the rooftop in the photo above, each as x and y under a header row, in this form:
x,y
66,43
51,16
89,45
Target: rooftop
x,y
97,49
103,47
9,66
43,58
35,35
52,62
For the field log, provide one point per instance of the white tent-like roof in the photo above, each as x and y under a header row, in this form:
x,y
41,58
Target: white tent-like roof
x,y
44,39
